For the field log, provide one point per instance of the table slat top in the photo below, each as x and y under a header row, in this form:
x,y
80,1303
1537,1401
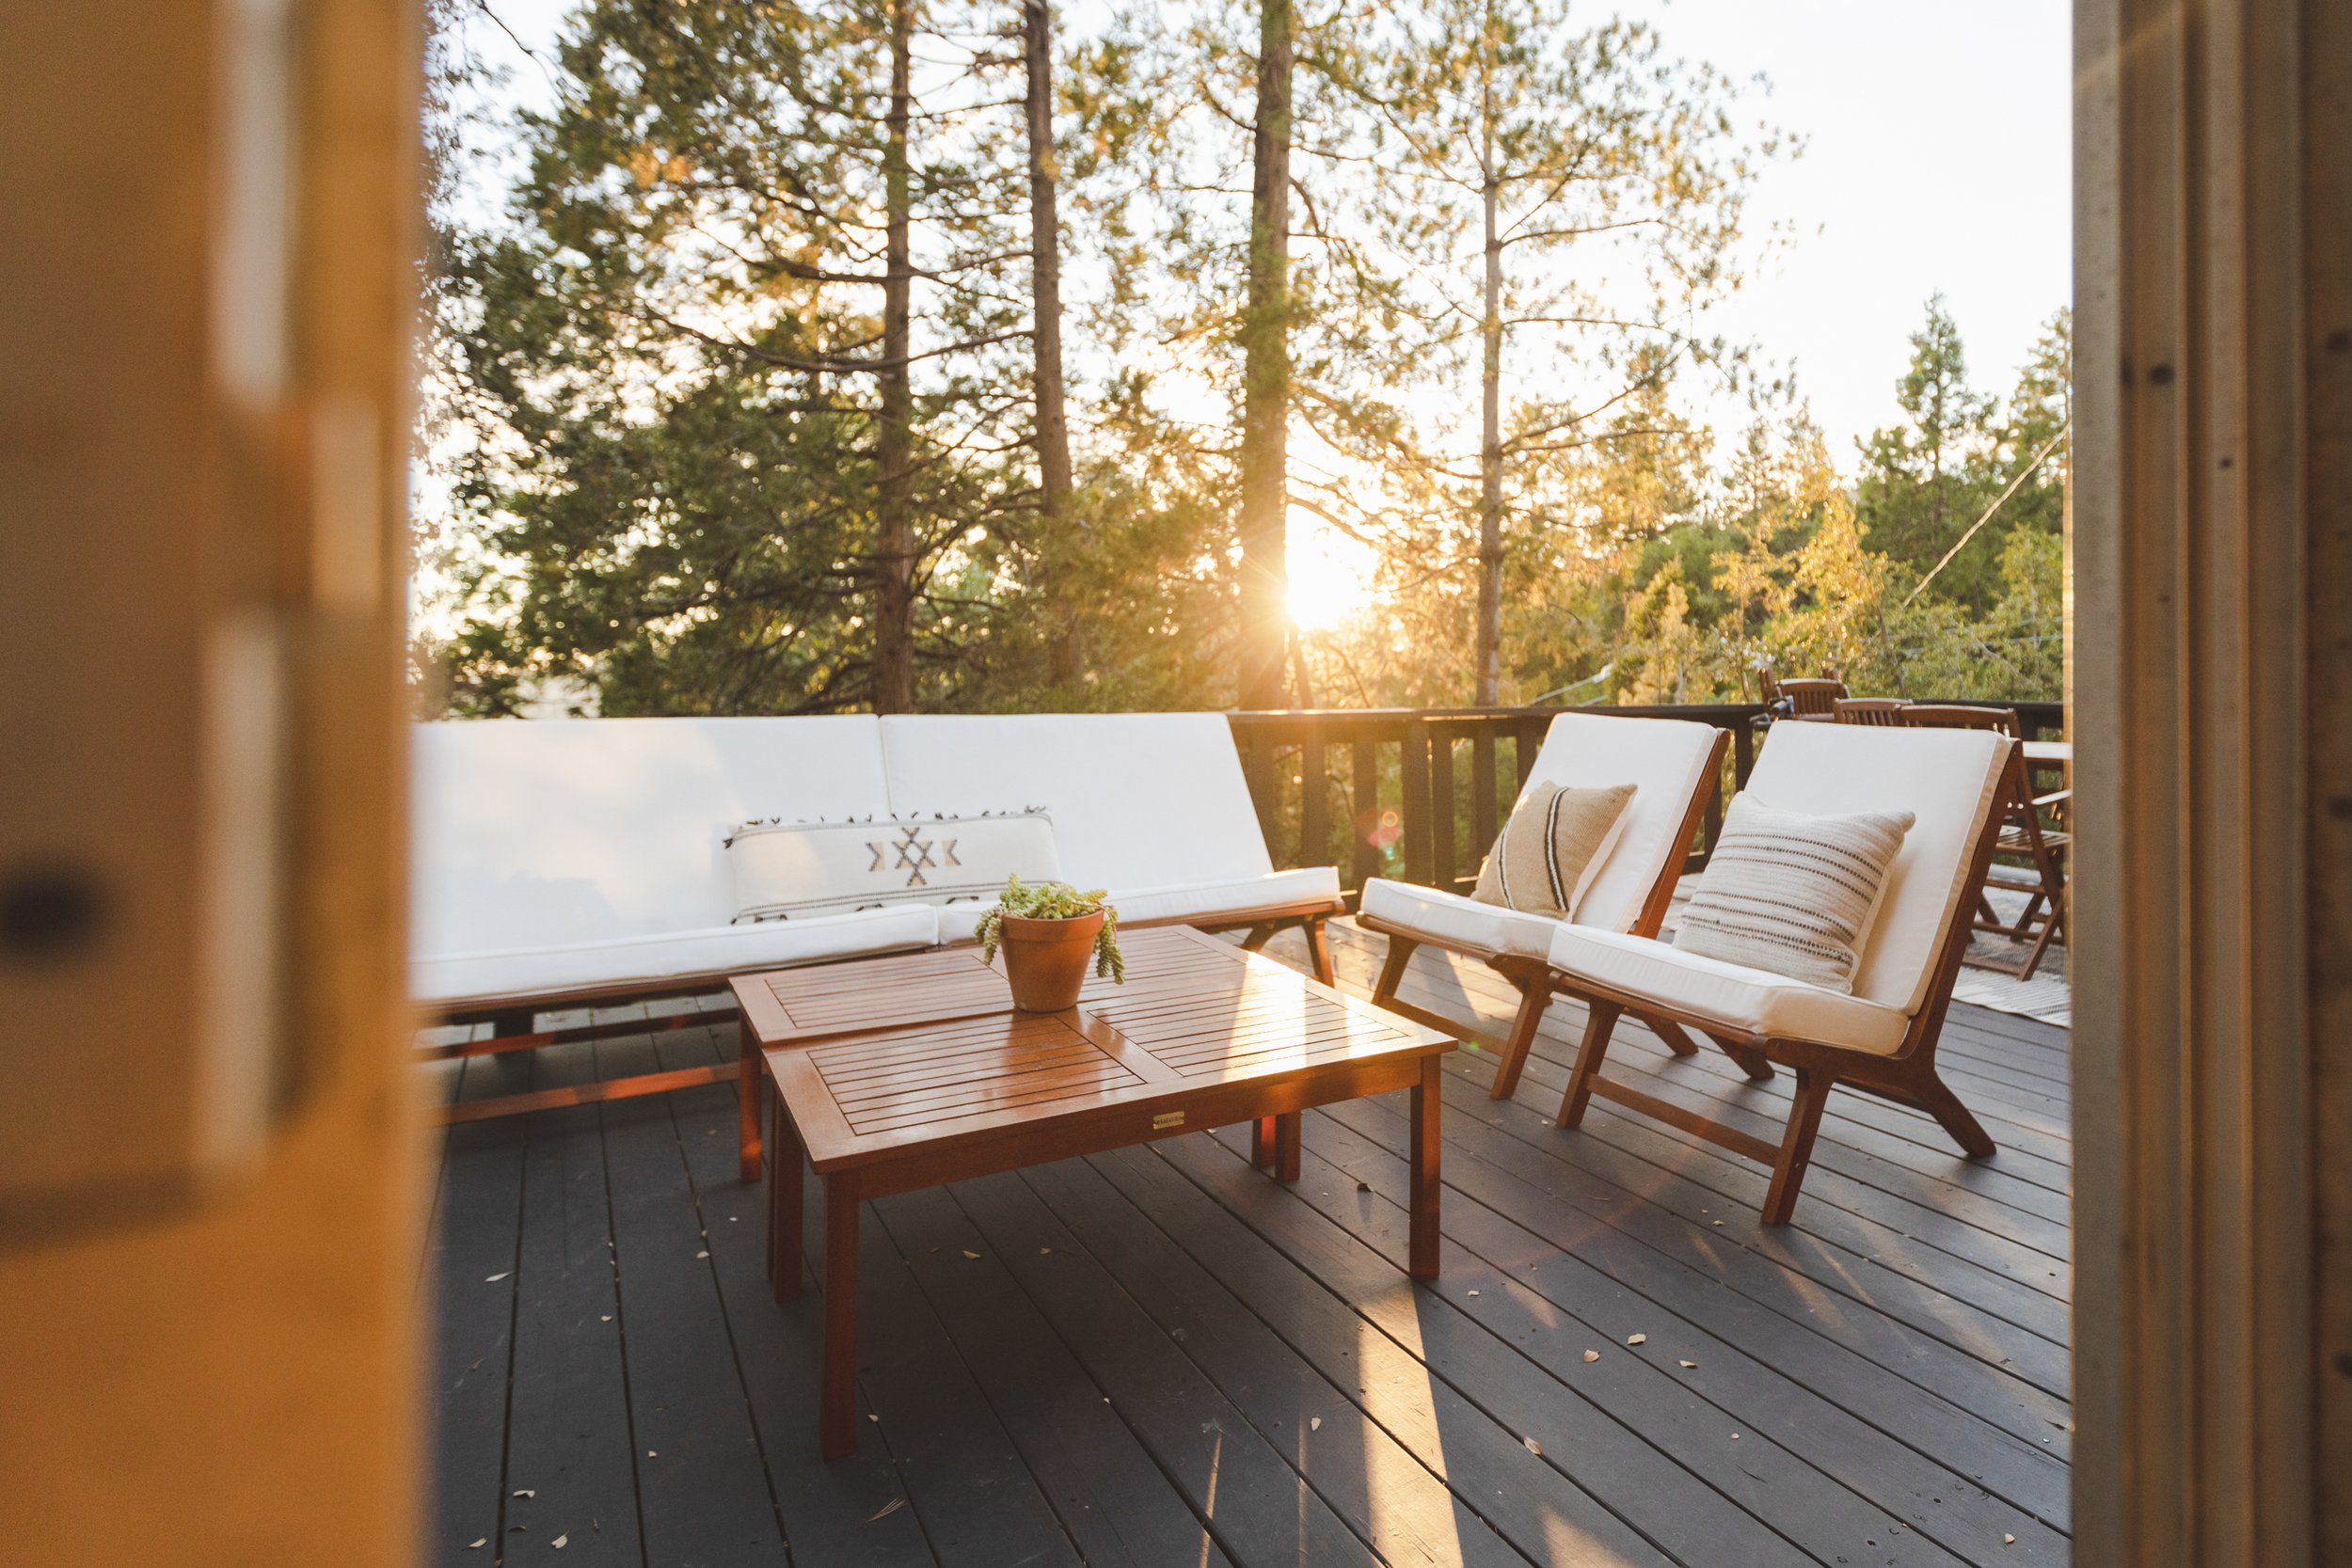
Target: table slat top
x,y
881,1055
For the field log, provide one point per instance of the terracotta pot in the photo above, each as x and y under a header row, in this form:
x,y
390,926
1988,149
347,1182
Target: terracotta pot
x,y
1047,960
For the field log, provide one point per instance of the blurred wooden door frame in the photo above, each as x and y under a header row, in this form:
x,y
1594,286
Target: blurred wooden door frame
x,y
2210,562
209,1203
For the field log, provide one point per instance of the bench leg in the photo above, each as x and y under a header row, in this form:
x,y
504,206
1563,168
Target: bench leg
x,y
1319,950
836,1419
747,1101
1598,1027
1262,1143
784,1204
1428,1139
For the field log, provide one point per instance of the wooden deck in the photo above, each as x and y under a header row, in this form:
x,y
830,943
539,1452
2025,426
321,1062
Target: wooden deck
x,y
1160,1357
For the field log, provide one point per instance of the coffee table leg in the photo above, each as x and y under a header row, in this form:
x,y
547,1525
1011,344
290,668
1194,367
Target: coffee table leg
x,y
1262,1140
748,1081
836,1421
1286,1136
784,1202
1428,1098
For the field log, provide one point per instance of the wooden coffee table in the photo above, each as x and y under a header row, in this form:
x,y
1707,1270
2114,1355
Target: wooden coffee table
x,y
891,1074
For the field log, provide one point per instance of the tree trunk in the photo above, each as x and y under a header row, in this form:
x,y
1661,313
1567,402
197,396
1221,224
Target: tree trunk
x,y
1266,373
1053,420
1489,656
894,596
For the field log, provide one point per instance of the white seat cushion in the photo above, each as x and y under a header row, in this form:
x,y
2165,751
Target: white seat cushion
x,y
1195,903
1728,993
550,971
1139,801
1458,923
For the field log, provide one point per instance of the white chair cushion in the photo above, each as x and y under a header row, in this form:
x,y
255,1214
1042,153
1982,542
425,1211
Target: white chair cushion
x,y
1727,993
1458,923
1948,779
1665,760
1195,903
791,870
1139,800
543,833
551,971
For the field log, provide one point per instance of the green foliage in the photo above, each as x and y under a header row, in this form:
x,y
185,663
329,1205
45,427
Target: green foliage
x,y
1055,901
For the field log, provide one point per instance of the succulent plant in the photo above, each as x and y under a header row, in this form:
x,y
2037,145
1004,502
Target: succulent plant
x,y
1055,901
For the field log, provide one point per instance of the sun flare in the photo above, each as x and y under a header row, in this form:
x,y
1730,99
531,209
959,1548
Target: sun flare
x,y
1331,575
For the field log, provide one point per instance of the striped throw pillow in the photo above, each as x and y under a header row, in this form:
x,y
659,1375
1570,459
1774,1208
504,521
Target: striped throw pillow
x,y
1792,895
1548,854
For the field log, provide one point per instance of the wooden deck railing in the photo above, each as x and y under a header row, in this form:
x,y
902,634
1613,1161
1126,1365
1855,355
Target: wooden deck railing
x,y
1419,793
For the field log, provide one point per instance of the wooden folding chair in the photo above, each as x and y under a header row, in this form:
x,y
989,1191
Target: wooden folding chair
x,y
1869,710
2024,837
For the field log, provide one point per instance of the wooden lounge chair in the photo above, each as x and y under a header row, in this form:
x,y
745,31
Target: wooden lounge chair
x,y
2024,837
1880,1040
1674,763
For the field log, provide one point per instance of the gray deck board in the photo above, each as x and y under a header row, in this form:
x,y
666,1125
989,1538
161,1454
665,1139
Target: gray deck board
x,y
1160,1356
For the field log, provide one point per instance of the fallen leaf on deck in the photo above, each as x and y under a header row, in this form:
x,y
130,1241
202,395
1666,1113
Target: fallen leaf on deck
x,y
701,1255
1690,1363
495,1277
1637,1338
1592,1355
559,1542
1363,1186
2009,1540
969,1253
528,1492
1473,1292
886,1510
1043,1250
484,1542
1314,1423
1533,1447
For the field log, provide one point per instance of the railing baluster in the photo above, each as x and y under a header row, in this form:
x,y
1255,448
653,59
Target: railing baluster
x,y
1367,803
1419,841
1314,809
1482,789
1442,806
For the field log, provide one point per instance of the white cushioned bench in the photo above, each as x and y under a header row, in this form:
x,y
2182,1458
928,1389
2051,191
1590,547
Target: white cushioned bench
x,y
562,861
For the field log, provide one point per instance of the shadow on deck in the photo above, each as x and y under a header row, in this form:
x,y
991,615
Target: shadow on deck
x,y
1160,1357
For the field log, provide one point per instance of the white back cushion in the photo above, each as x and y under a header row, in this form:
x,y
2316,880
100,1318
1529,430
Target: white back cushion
x,y
1948,779
1665,760
531,832
1139,800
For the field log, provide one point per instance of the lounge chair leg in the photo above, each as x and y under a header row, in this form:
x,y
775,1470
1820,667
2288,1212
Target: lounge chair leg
x,y
1796,1144
1392,968
1749,1058
1588,1059
1677,1041
1259,935
1938,1101
1521,1040
1319,950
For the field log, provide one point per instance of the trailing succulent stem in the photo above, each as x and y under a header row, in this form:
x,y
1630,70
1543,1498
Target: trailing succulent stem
x,y
1055,901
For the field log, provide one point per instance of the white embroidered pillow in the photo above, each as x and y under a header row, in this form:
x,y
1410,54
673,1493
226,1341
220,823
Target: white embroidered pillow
x,y
1790,893
787,869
